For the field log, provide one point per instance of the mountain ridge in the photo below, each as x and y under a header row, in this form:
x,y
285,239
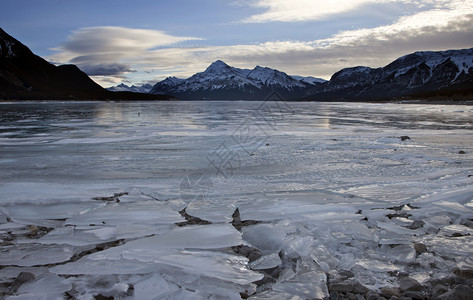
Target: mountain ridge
x,y
421,73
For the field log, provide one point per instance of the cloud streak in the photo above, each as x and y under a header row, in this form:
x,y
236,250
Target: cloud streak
x,y
301,10
310,10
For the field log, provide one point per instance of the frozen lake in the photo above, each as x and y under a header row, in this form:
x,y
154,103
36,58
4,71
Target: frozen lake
x,y
96,190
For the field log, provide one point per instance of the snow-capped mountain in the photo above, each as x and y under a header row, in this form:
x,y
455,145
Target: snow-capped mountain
x,y
171,82
419,73
223,82
272,77
145,88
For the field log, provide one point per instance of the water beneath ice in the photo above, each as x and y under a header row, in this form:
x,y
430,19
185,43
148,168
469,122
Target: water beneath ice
x,y
330,183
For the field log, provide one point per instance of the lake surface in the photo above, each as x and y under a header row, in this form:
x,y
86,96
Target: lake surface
x,y
301,168
159,143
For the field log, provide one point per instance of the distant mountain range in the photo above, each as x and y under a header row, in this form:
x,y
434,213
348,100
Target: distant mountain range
x,y
221,81
25,76
145,88
421,74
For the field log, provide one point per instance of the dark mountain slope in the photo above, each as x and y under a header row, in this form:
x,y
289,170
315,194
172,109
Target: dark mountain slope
x,y
26,76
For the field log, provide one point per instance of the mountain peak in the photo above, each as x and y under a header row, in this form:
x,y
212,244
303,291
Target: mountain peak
x,y
262,68
219,63
217,66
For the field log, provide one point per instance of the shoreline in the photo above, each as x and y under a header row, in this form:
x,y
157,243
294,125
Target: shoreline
x,y
413,101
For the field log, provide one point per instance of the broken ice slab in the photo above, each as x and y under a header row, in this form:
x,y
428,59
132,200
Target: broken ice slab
x,y
144,212
360,231
274,295
163,251
11,226
466,264
51,211
376,265
376,214
301,245
298,210
91,235
43,192
213,288
311,285
154,286
391,227
128,231
400,253
347,262
455,207
47,286
347,230
28,255
213,209
75,237
455,248
212,264
266,237
391,238
8,274
456,229
323,255
266,262
456,201
436,221
212,236
42,223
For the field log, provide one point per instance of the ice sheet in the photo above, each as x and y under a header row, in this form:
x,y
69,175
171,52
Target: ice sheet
x,y
320,188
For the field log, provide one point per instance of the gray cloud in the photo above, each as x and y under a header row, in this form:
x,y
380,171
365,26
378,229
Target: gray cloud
x,y
116,69
96,58
105,50
111,39
307,10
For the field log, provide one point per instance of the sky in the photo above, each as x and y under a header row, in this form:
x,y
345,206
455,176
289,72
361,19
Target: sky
x,y
145,41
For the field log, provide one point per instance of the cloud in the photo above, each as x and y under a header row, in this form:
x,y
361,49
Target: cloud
x,y
445,25
105,50
437,26
114,69
310,10
110,39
